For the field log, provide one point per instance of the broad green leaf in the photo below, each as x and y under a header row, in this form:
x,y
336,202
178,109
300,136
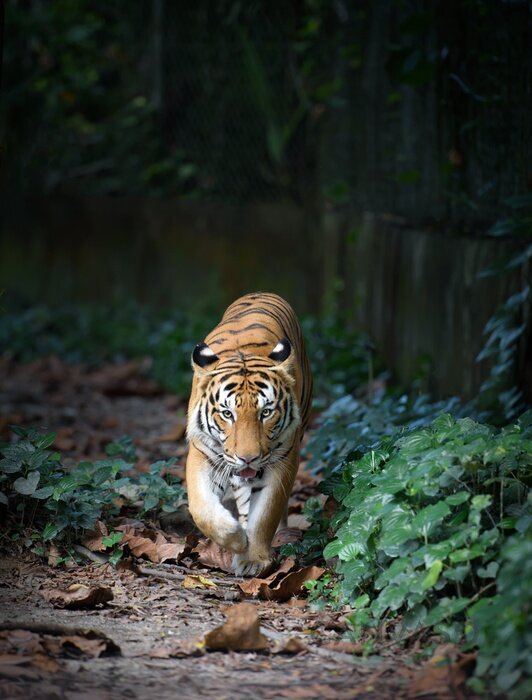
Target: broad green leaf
x,y
457,573
481,501
428,518
414,618
350,551
490,571
354,573
112,539
332,549
45,441
391,540
391,597
50,531
393,572
446,608
43,493
10,466
27,486
432,575
467,553
456,499
362,601
418,441
430,553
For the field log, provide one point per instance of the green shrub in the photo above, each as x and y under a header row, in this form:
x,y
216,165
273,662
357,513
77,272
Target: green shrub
x,y
53,503
430,521
501,627
349,427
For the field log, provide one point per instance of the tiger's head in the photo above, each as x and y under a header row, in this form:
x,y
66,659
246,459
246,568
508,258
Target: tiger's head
x,y
247,414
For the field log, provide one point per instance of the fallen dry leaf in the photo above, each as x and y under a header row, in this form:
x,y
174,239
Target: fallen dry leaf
x,y
151,544
328,621
287,535
179,650
90,645
345,647
253,585
93,539
54,555
444,675
298,521
124,379
77,596
212,555
11,665
14,659
46,663
23,641
241,632
194,581
273,588
293,645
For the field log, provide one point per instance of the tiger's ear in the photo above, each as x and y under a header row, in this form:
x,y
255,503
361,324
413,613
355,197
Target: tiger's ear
x,y
203,357
284,357
281,351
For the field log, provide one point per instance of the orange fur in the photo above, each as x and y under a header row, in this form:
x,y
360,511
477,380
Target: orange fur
x,y
249,406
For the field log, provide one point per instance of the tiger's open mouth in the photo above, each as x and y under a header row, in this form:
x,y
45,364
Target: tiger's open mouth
x,y
248,473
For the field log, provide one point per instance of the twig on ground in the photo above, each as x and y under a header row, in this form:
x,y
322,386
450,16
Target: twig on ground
x,y
92,556
157,573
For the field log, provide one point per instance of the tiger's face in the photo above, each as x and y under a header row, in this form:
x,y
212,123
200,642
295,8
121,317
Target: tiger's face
x,y
247,413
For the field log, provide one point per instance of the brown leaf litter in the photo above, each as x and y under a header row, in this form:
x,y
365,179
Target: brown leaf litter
x,y
78,596
150,543
283,583
241,632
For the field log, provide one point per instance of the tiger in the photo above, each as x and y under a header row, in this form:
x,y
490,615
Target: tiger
x,y
248,409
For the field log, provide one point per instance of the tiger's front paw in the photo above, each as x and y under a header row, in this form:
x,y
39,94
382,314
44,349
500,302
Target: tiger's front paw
x,y
244,566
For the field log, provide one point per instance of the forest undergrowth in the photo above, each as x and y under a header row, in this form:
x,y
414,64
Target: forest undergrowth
x,y
424,518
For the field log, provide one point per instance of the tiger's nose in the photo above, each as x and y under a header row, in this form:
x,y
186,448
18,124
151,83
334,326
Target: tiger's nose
x,y
247,458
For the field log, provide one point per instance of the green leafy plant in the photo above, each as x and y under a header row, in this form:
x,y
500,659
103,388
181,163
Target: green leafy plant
x,y
54,503
500,626
110,543
422,526
323,591
311,546
508,325
349,427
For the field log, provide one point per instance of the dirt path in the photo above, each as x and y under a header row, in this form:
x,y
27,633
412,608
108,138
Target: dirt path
x,y
149,640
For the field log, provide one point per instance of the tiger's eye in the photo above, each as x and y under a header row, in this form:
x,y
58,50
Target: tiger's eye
x,y
266,412
227,414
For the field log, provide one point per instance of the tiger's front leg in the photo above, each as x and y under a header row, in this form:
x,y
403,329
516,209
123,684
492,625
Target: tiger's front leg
x,y
268,506
204,502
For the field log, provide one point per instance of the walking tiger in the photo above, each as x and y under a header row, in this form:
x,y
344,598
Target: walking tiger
x,y
248,409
